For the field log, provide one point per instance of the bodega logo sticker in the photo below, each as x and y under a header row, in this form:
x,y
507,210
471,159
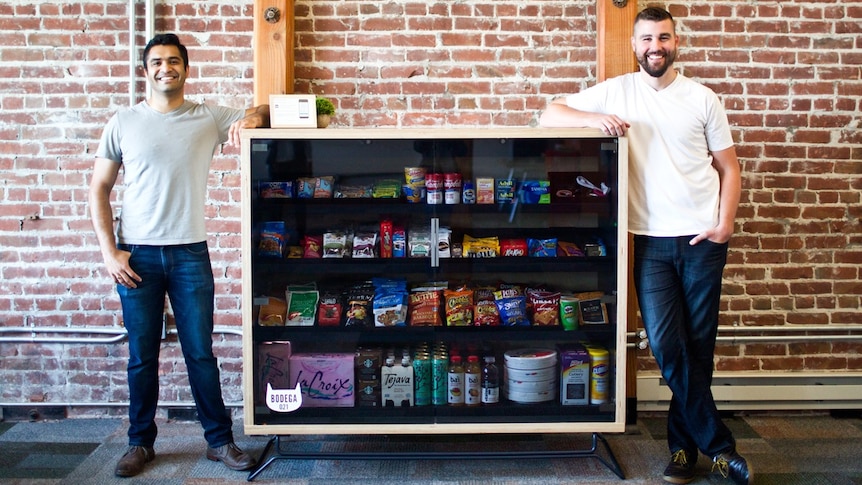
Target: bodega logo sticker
x,y
283,400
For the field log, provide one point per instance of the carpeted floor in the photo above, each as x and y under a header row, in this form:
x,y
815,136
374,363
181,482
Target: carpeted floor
x,y
784,449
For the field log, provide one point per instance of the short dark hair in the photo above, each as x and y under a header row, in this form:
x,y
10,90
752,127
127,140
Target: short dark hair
x,y
166,39
654,14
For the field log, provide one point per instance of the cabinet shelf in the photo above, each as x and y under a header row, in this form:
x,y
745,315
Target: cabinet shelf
x,y
423,415
558,156
402,335
394,266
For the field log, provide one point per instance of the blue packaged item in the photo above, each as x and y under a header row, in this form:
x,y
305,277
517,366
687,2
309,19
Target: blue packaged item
x,y
535,192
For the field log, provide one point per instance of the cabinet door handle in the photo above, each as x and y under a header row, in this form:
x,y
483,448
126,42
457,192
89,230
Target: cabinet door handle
x,y
435,242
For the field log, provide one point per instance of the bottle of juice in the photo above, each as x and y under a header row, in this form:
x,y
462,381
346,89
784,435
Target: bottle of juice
x,y
473,382
490,382
455,395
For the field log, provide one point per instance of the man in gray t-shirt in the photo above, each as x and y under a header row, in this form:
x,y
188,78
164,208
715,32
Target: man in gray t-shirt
x,y
165,146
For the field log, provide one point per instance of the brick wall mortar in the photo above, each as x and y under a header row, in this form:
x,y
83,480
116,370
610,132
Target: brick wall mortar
x,y
789,73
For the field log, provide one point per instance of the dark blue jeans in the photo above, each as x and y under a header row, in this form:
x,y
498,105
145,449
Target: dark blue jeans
x,y
184,273
678,288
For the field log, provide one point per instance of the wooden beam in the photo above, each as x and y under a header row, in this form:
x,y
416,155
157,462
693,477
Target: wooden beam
x,y
614,48
615,57
273,49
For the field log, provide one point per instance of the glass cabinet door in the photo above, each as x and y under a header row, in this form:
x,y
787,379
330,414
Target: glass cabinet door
x,y
527,226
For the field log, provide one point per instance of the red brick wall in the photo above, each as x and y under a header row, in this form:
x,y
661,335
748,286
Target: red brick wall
x,y
789,73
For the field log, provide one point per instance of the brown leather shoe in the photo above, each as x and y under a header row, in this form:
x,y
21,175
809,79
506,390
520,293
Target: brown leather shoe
x,y
233,457
134,460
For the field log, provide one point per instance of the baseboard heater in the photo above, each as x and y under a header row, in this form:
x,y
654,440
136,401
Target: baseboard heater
x,y
764,391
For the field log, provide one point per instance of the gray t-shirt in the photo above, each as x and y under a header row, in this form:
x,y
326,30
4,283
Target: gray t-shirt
x,y
166,160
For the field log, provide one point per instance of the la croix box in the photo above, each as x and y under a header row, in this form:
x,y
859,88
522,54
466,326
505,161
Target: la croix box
x,y
325,379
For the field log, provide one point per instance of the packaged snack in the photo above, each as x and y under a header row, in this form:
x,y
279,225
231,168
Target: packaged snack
x,y
273,239
459,307
565,248
591,309
359,312
513,247
301,306
294,251
275,190
542,248
486,247
386,238
312,247
305,187
390,302
335,245
387,189
419,243
545,307
444,242
323,187
485,313
425,308
364,245
512,306
353,192
597,248
390,309
399,242
273,312
414,176
330,309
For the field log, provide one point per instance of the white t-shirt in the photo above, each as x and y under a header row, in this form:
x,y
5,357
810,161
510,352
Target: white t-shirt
x,y
673,187
166,161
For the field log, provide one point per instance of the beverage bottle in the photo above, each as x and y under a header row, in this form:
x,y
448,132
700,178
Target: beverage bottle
x,y
473,382
385,371
455,394
407,377
490,382
422,378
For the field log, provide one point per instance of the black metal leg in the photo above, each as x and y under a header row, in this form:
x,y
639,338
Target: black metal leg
x,y
278,454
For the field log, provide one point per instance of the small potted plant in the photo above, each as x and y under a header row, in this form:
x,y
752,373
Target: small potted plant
x,y
325,110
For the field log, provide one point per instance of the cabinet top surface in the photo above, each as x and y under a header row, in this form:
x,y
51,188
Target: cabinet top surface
x,y
421,133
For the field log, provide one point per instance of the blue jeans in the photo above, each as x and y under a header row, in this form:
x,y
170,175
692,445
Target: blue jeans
x,y
184,273
679,288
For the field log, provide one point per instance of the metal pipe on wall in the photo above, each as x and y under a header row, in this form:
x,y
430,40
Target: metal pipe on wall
x,y
779,334
149,31
117,334
132,53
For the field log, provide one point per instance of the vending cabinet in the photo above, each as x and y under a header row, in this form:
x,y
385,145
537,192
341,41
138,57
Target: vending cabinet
x,y
412,246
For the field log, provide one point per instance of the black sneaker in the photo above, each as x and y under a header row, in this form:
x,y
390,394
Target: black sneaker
x,y
681,467
731,465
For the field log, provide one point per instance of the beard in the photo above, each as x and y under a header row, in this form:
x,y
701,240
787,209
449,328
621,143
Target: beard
x,y
657,70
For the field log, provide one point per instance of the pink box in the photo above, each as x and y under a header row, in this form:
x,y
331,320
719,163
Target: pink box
x,y
326,380
272,367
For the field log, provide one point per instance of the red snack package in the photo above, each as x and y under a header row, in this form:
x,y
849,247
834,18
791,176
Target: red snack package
x,y
513,247
312,247
424,308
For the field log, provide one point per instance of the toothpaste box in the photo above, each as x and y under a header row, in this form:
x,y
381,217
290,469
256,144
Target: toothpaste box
x,y
325,379
574,376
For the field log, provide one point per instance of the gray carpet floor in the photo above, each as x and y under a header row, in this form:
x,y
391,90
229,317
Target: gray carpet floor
x,y
785,449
